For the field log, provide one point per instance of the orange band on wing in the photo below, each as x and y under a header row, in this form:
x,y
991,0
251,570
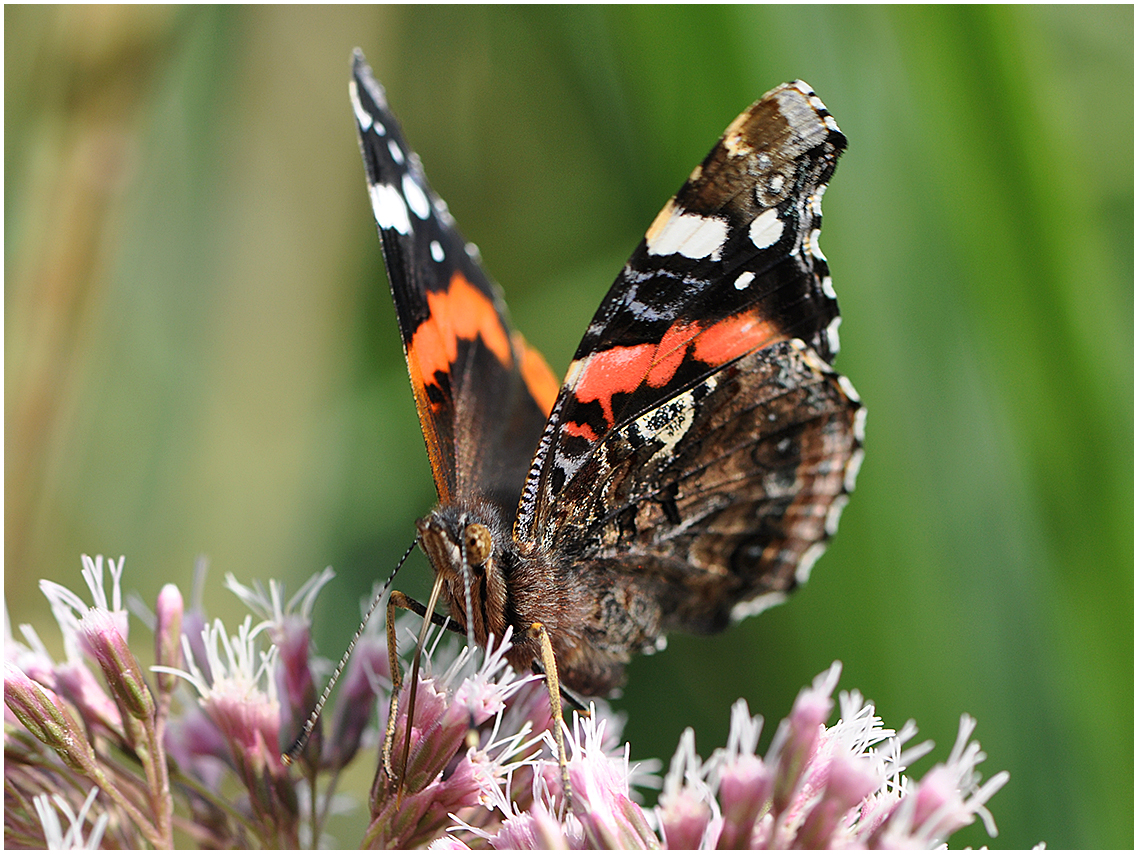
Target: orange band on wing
x,y
733,336
622,370
539,379
572,428
613,371
461,311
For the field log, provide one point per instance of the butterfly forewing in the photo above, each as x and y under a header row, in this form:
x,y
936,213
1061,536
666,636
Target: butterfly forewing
x,y
482,394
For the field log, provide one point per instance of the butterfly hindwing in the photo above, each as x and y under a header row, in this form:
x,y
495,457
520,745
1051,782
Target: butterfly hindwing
x,y
482,393
721,498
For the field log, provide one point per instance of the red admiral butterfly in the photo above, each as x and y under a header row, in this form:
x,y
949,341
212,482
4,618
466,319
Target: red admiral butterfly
x,y
695,460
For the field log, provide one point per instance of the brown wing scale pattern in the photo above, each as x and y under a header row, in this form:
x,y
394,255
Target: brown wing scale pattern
x,y
724,494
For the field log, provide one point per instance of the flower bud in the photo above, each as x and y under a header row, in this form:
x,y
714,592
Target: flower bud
x,y
46,717
850,781
168,635
120,668
797,736
745,785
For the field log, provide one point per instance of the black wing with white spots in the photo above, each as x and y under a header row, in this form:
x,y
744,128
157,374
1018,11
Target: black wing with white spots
x,y
482,394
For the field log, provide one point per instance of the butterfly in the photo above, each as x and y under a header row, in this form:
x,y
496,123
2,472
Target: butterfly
x,y
693,463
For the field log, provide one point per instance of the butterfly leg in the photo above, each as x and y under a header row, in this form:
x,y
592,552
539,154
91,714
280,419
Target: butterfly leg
x,y
570,699
538,632
401,600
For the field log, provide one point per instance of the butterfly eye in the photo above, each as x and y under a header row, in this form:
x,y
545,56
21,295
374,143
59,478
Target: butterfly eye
x,y
478,543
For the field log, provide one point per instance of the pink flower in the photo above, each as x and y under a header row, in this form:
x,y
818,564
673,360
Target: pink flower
x,y
481,769
600,782
819,787
688,815
289,628
439,775
946,799
241,701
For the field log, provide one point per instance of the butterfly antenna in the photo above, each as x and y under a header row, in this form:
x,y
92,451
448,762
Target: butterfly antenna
x,y
471,732
289,756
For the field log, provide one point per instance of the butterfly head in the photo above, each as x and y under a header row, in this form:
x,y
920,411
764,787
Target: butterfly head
x,y
465,548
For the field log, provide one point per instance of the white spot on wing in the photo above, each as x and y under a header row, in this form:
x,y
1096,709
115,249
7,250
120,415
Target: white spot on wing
x,y
812,244
690,235
835,513
766,229
832,335
816,199
806,564
389,208
669,423
846,386
854,465
859,425
437,251
745,278
363,117
742,610
416,198
828,287
395,151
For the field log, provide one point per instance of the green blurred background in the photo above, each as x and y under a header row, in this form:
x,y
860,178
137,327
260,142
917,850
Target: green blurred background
x,y
201,355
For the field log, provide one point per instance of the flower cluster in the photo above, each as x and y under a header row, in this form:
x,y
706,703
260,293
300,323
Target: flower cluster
x,y
98,752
